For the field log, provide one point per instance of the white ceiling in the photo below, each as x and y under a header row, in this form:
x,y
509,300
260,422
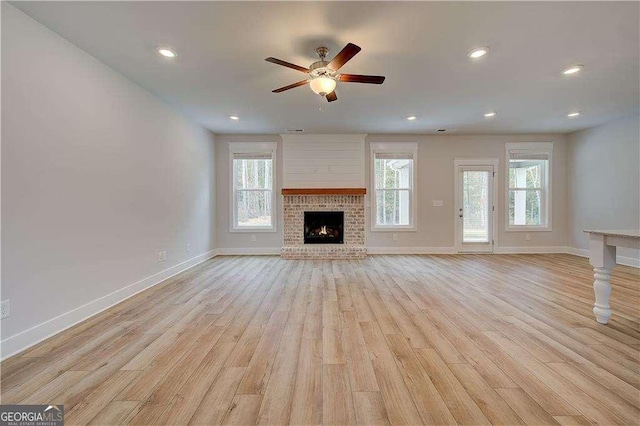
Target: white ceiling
x,y
420,47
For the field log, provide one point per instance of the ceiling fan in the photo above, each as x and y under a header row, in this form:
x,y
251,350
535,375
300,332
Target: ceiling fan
x,y
323,75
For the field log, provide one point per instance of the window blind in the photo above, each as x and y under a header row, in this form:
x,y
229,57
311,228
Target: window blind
x,y
528,155
252,156
393,156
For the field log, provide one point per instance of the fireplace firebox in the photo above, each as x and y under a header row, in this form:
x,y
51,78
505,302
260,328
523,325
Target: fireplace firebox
x,y
324,227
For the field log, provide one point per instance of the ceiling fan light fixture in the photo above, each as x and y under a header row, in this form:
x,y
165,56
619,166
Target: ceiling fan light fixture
x,y
323,85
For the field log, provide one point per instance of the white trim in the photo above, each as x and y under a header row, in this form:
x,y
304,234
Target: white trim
x,y
249,251
36,334
252,148
620,260
411,250
482,162
395,148
546,147
530,250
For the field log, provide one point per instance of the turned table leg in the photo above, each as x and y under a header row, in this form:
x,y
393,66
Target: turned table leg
x,y
602,289
603,258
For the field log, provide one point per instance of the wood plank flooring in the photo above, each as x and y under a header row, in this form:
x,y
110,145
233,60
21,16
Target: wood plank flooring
x,y
451,339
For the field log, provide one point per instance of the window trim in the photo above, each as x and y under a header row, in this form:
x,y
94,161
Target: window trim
x,y
547,188
394,148
251,148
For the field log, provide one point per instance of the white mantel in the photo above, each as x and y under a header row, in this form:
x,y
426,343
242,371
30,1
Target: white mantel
x,y
323,161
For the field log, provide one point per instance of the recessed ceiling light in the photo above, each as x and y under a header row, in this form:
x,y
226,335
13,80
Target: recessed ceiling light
x,y
166,52
573,69
573,114
478,53
490,114
234,117
411,117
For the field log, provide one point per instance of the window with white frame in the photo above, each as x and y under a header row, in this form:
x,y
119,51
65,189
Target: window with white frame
x,y
393,167
252,183
529,186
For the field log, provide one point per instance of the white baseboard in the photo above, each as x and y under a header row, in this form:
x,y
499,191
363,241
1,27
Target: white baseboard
x,y
452,250
410,250
530,250
249,251
36,334
620,260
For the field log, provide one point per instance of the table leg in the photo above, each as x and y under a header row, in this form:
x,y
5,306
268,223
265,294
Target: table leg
x,y
603,258
602,289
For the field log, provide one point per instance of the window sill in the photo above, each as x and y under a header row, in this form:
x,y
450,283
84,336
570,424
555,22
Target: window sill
x,y
248,230
525,228
394,229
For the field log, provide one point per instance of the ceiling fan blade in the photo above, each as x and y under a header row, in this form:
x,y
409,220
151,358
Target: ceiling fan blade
x,y
288,64
356,78
332,96
348,52
291,86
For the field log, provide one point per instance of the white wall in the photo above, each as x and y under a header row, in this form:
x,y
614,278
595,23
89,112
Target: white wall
x,y
97,177
604,181
435,182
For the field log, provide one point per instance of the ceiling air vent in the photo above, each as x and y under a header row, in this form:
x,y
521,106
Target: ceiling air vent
x,y
441,130
294,130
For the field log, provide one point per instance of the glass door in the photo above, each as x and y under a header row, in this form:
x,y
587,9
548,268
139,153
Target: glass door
x,y
475,208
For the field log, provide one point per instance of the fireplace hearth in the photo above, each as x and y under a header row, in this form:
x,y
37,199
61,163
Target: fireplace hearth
x,y
323,227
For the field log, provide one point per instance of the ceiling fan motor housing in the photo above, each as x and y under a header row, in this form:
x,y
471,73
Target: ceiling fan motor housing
x,y
319,68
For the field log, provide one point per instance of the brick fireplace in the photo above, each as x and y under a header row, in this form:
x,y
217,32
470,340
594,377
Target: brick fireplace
x,y
349,201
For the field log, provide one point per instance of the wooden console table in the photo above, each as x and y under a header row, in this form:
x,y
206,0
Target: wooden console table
x,y
602,256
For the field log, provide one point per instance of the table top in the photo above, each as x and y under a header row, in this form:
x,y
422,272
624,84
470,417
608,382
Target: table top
x,y
627,233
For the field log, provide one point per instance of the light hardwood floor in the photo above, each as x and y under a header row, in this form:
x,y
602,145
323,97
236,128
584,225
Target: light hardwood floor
x,y
473,339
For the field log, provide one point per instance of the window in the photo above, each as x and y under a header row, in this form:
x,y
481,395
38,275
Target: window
x,y
393,181
529,186
252,182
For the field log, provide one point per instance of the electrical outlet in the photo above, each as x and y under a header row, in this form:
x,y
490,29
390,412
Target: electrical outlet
x,y
162,256
159,256
6,308
188,247
395,237
253,238
527,237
